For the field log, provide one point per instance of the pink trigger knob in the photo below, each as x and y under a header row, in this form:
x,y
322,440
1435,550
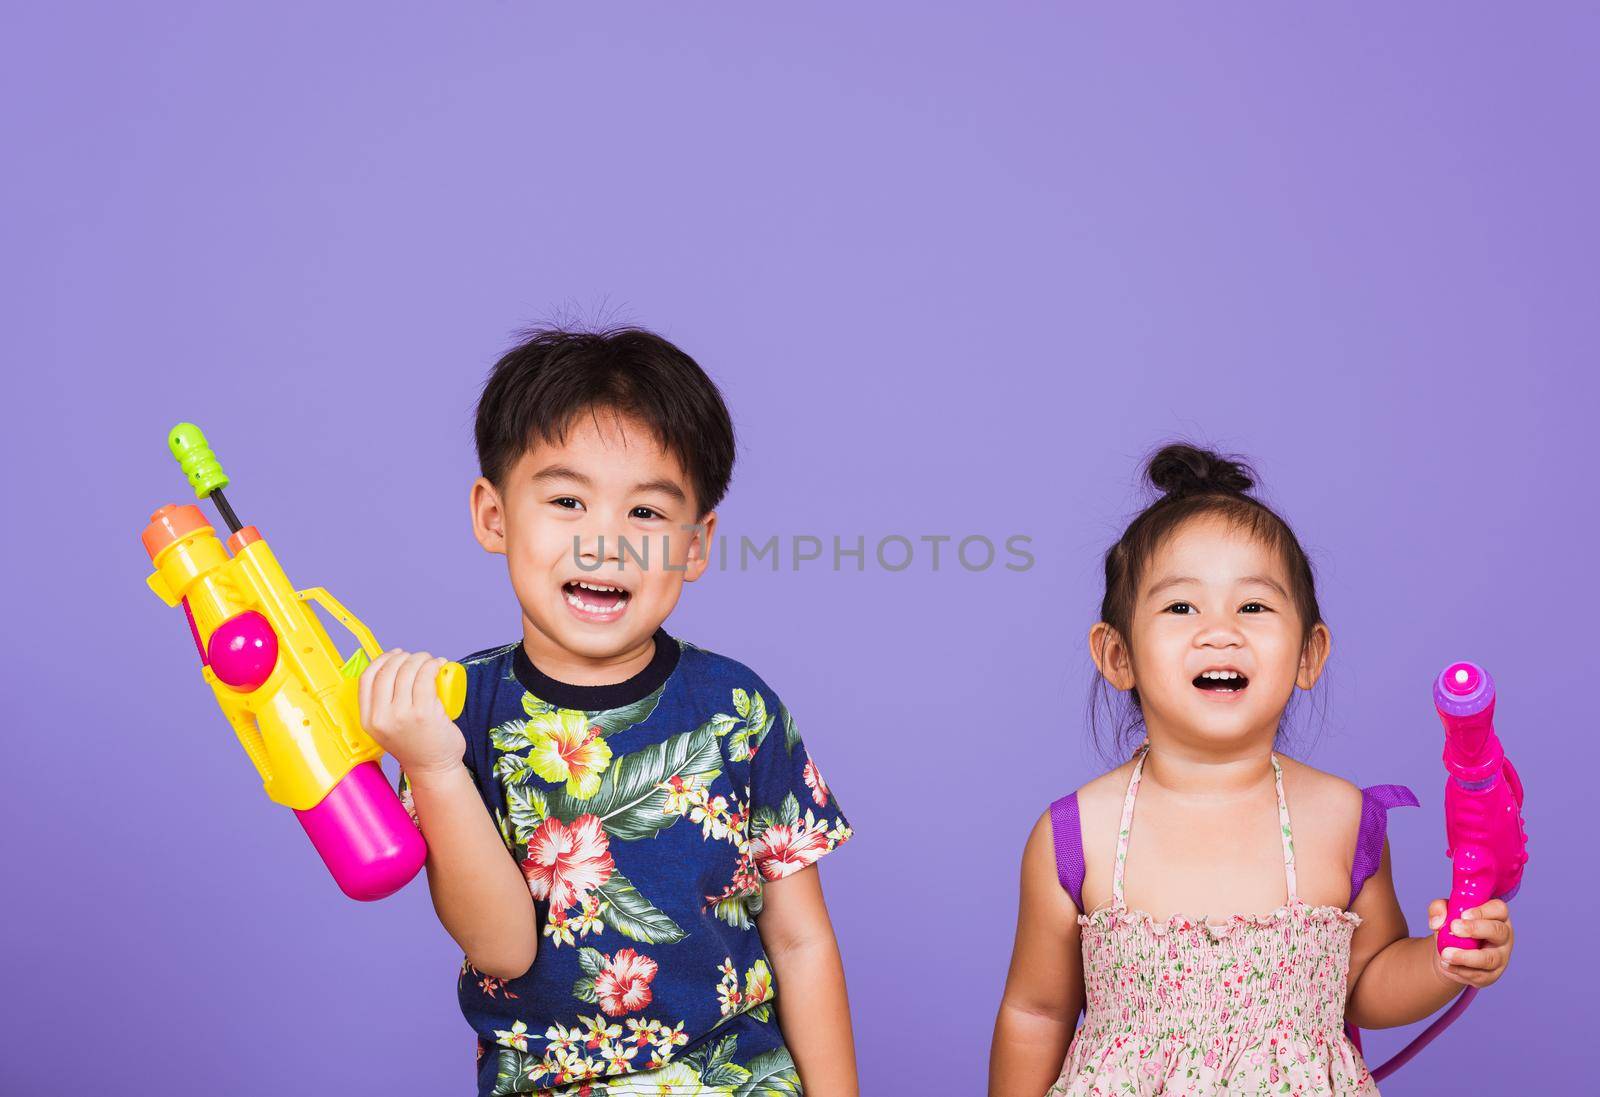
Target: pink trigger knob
x,y
1461,679
243,650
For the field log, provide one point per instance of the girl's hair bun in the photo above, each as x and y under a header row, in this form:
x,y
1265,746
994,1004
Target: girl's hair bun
x,y
1181,469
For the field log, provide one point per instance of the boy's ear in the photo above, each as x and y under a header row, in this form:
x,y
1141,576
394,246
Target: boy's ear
x,y
699,557
488,516
1111,656
1314,656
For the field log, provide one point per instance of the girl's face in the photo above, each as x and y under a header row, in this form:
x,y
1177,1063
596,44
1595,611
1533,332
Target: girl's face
x,y
1213,599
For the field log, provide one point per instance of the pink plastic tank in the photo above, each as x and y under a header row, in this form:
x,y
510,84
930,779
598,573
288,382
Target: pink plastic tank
x,y
365,836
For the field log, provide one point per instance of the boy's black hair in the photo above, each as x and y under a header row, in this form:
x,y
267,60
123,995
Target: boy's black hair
x,y
540,386
1195,483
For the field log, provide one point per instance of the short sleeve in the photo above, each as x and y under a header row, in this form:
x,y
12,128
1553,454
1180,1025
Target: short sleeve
x,y
794,818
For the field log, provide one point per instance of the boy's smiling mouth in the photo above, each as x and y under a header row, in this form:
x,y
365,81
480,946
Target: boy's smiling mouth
x,y
595,601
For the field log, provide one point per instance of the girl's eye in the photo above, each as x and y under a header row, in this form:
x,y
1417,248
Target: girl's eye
x,y
1258,606
567,502
644,512
1175,605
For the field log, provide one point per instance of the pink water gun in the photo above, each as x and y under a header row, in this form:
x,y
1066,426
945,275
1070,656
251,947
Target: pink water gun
x,y
1482,820
1482,798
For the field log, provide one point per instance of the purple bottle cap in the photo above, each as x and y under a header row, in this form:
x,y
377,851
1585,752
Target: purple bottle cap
x,y
1463,689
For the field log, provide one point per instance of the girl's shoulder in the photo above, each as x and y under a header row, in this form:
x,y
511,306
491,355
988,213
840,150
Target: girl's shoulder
x,y
1326,810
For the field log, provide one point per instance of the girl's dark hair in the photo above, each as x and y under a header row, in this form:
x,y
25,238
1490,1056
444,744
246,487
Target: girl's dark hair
x,y
1194,483
541,385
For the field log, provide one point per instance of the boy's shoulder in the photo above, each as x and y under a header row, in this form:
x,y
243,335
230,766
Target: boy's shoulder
x,y
716,676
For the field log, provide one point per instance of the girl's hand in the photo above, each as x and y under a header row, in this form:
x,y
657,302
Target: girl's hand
x,y
400,708
1489,923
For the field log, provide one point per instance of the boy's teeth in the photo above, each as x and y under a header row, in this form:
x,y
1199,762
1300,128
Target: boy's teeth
x,y
1220,674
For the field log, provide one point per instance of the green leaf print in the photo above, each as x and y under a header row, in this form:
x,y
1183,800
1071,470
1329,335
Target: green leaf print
x,y
630,802
511,1072
735,911
632,915
511,735
789,810
741,703
772,1074
611,721
716,1067
591,960
533,706
791,734
529,809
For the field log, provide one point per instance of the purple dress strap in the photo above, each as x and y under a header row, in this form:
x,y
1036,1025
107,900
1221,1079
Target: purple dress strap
x,y
1375,804
1069,846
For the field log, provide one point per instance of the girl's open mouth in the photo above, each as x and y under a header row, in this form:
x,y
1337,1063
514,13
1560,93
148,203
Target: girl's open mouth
x,y
595,601
1221,683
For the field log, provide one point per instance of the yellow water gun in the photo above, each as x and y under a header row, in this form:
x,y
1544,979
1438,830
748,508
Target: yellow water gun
x,y
288,693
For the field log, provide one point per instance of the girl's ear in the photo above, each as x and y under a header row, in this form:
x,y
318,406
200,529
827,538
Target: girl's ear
x,y
1314,656
1111,656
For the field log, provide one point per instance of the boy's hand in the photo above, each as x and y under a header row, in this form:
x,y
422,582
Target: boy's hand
x,y
400,708
1489,923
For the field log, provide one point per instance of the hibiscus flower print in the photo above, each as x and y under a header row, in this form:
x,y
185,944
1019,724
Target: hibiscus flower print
x,y
814,782
623,985
565,862
566,748
785,848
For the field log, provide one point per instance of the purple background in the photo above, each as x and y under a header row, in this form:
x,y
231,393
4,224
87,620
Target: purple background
x,y
956,272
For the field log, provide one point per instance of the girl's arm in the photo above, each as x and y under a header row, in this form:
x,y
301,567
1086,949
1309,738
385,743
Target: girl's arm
x,y
1044,989
813,1008
1396,979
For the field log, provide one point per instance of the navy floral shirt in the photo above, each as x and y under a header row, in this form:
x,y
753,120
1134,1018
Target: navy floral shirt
x,y
646,816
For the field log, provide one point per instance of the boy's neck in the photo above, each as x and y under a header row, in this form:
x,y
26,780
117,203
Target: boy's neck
x,y
578,670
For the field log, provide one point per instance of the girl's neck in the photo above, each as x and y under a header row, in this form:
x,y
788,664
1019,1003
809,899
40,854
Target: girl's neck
x,y
1208,773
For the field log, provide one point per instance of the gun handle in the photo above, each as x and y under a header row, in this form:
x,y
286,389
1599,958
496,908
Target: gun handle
x,y
1473,876
452,684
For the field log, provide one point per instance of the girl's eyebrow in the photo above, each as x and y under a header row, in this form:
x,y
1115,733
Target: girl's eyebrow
x,y
1179,580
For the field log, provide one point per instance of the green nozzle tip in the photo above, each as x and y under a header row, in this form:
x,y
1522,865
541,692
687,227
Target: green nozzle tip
x,y
194,456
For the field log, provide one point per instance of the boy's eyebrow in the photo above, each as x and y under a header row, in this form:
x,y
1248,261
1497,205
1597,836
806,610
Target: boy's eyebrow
x,y
562,472
665,486
1179,580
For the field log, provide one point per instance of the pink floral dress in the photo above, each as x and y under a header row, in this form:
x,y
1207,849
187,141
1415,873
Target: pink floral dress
x,y
1254,1004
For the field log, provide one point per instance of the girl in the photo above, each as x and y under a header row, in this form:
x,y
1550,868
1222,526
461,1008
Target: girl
x,y
1213,944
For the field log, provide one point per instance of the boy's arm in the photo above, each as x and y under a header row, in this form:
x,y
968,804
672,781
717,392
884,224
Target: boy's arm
x,y
478,890
813,1009
1044,989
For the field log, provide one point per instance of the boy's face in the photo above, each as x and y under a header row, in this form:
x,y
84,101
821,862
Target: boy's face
x,y
1215,597
607,508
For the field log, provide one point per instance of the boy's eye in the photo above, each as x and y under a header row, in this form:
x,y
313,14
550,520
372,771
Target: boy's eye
x,y
567,502
645,512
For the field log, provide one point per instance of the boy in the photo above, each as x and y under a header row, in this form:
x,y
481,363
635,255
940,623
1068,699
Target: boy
x,y
656,927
